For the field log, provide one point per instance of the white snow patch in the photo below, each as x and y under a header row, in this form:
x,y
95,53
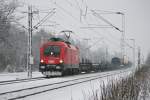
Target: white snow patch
x,y
81,91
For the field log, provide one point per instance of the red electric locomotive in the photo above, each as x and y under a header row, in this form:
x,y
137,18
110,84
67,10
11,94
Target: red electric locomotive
x,y
58,57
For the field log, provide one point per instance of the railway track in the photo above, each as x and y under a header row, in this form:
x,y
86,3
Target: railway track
x,y
20,81
26,92
26,80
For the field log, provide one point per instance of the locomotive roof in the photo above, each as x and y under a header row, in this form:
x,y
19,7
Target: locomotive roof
x,y
54,39
59,42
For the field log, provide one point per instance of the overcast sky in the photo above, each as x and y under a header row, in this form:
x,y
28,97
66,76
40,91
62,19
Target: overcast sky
x,y
137,14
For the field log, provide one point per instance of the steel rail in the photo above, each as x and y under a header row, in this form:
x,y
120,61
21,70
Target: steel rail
x,y
20,80
75,81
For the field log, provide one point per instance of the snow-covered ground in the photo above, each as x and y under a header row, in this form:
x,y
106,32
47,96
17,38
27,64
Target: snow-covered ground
x,y
17,76
75,92
82,91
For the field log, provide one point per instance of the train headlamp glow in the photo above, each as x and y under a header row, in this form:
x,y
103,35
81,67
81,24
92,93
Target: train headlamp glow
x,y
42,61
60,61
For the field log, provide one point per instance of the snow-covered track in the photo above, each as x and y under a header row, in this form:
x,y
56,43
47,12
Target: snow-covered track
x,y
20,81
26,92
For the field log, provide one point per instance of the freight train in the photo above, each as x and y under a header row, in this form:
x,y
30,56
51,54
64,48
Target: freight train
x,y
59,57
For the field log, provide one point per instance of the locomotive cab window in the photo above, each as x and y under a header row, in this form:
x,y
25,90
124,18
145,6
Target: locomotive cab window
x,y
52,51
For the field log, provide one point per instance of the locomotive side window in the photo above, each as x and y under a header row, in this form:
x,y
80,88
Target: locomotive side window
x,y
52,51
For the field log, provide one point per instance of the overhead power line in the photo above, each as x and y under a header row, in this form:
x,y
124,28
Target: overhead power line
x,y
51,13
102,18
70,14
61,8
97,26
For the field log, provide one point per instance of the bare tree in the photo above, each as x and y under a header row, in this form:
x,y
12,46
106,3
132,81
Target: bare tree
x,y
7,51
148,59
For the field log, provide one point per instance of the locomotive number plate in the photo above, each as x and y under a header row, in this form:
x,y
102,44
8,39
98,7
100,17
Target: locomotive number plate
x,y
50,61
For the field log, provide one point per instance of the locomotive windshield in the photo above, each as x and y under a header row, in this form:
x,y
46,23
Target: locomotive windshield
x,y
52,51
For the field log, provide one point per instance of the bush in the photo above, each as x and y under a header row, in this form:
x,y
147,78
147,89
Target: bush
x,y
135,87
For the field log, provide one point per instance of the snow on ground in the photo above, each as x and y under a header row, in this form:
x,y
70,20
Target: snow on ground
x,y
75,92
82,91
45,81
17,76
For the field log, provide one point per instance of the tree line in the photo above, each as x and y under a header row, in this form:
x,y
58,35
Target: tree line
x,y
14,39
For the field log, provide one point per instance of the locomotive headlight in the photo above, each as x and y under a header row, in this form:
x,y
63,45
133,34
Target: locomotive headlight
x,y
60,61
42,61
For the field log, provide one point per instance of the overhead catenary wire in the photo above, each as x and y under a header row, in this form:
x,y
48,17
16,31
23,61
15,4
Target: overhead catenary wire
x,y
43,21
79,9
106,12
74,17
98,32
69,15
66,11
102,18
45,18
103,27
75,33
106,21
110,12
